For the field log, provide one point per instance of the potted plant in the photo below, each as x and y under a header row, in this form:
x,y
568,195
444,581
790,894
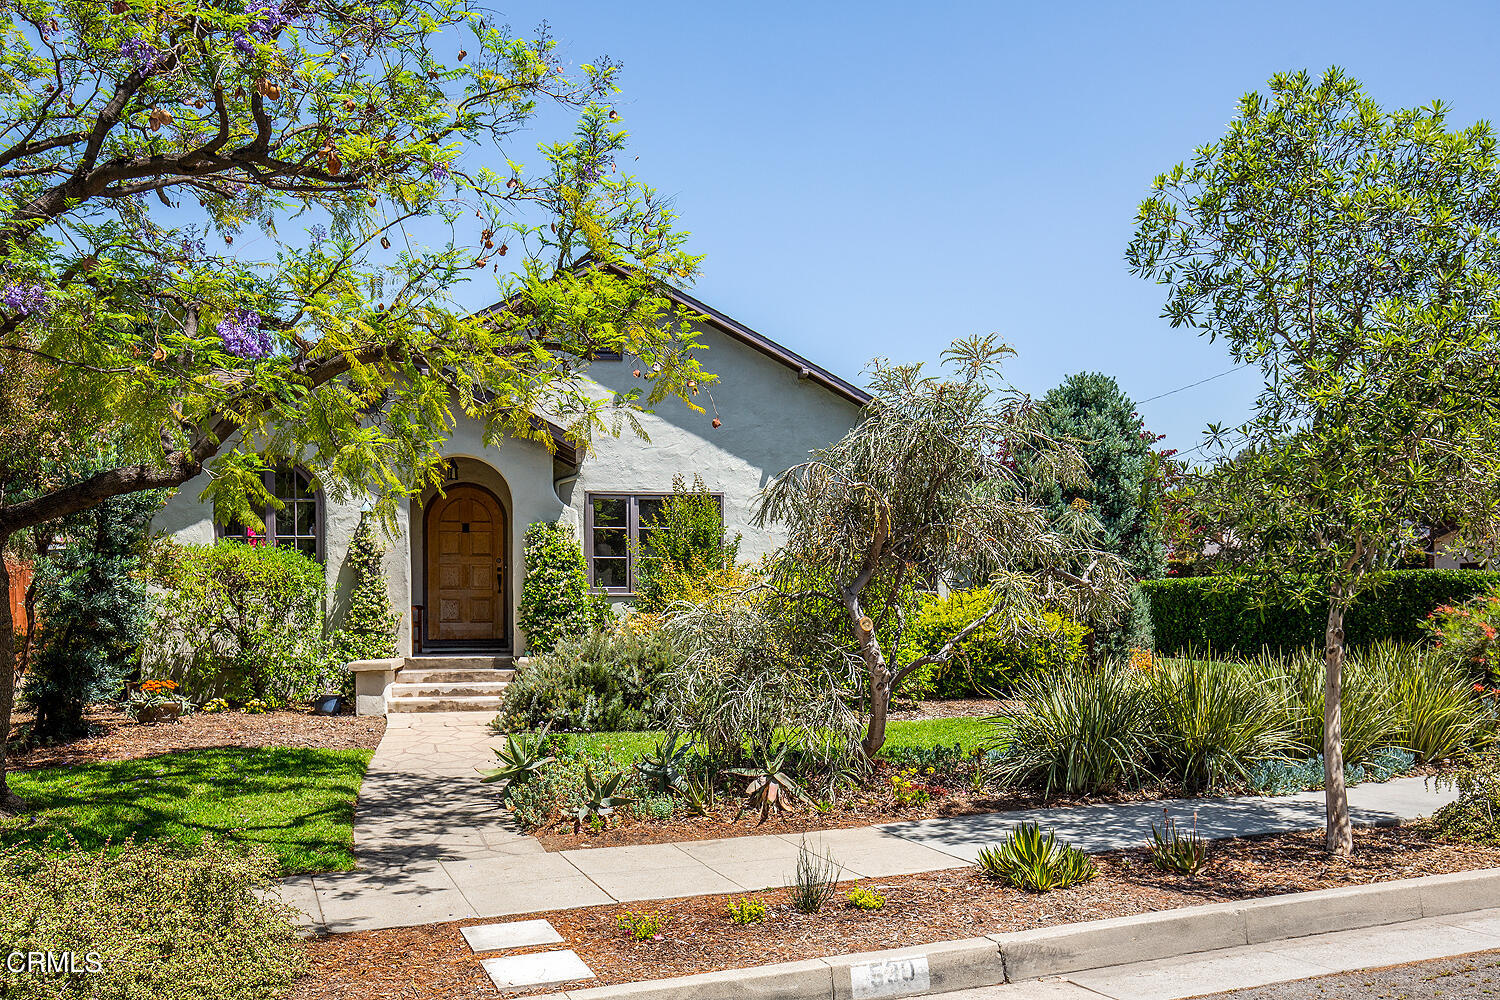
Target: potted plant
x,y
156,701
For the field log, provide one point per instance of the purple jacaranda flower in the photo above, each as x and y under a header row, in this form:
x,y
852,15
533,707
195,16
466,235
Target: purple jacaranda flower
x,y
267,18
24,297
243,336
318,232
439,172
243,45
142,54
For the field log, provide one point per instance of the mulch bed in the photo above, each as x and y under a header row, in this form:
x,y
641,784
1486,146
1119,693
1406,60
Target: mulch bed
x,y
954,708
120,737
434,963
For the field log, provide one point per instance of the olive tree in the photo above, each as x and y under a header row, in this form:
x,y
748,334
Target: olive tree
x,y
923,493
368,158
1353,254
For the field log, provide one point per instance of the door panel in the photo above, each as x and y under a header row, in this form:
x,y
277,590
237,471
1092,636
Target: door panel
x,y
465,572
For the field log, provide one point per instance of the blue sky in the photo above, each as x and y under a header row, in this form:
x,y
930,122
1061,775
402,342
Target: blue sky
x,y
879,179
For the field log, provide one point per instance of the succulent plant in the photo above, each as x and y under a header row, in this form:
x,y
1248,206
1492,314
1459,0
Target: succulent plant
x,y
770,787
520,760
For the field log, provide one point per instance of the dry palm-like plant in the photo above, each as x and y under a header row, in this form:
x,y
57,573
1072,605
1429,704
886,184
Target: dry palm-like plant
x,y
924,491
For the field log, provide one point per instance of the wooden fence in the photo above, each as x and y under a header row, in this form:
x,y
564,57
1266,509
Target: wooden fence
x,y
20,579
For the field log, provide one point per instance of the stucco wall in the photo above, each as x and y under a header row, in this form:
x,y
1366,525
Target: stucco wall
x,y
771,420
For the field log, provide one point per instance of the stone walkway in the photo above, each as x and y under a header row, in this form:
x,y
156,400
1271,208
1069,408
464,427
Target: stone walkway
x,y
434,844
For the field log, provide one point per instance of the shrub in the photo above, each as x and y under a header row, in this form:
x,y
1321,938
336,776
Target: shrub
x,y
1287,777
688,542
181,924
368,628
91,608
1467,635
1076,734
908,789
237,621
1211,722
1215,613
865,899
746,910
1036,862
603,681
994,657
555,600
1371,714
814,880
1440,717
642,926
1475,816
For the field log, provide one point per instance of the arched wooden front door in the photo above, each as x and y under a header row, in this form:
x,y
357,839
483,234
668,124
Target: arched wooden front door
x,y
466,567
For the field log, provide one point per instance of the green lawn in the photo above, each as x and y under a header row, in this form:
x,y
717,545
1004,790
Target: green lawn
x,y
971,734
298,803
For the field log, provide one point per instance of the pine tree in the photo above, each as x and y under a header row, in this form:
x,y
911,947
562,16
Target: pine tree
x,y
91,608
368,631
1091,409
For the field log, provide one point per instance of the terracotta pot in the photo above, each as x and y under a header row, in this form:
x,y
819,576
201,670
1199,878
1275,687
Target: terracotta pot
x,y
164,712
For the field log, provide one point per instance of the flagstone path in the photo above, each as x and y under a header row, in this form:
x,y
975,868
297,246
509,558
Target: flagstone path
x,y
434,844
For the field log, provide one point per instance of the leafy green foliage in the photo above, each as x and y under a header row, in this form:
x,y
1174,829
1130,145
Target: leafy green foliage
x,y
644,925
1090,408
237,621
745,910
297,803
556,604
1211,722
1467,634
367,630
603,680
688,542
1175,851
814,880
1228,616
519,760
1475,816
1034,861
992,658
91,603
165,922
865,899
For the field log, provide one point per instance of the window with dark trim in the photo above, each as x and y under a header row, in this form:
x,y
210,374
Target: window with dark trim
x,y
617,537
299,522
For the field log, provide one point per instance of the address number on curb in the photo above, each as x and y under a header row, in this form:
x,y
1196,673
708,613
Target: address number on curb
x,y
890,979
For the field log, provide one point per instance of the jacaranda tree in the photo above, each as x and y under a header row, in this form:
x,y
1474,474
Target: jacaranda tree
x,y
230,236
1353,254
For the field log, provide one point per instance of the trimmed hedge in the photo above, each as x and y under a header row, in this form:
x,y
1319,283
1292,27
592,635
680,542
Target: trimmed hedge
x,y
1204,614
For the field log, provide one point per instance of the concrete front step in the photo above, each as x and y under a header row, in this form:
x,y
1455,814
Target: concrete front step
x,y
461,703
400,689
406,676
458,663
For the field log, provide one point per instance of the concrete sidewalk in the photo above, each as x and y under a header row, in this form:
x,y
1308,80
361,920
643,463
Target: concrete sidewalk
x,y
434,844
1262,964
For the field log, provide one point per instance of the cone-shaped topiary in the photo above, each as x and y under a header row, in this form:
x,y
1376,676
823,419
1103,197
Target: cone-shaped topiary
x,y
555,599
368,631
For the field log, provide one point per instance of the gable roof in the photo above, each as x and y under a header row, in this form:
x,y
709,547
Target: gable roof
x,y
738,331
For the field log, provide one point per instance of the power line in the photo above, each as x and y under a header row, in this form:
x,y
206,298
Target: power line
x,y
1191,385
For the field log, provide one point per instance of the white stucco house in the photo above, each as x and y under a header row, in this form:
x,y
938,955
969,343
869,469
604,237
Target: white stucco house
x,y
455,568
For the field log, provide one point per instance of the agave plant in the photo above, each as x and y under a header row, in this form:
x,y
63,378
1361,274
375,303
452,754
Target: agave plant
x,y
1035,861
663,767
520,760
601,797
769,785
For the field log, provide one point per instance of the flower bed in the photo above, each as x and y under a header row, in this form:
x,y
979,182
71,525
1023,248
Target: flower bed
x,y
699,935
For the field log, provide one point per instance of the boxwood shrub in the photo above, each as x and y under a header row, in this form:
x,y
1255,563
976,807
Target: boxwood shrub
x,y
1211,614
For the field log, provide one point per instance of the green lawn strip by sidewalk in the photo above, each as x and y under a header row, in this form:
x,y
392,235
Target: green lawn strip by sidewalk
x,y
298,803
623,748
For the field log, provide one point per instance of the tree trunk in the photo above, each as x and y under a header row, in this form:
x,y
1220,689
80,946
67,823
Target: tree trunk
x,y
880,678
1336,797
9,802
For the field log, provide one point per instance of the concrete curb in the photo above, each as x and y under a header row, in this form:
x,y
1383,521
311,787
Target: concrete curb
x,y
1009,958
